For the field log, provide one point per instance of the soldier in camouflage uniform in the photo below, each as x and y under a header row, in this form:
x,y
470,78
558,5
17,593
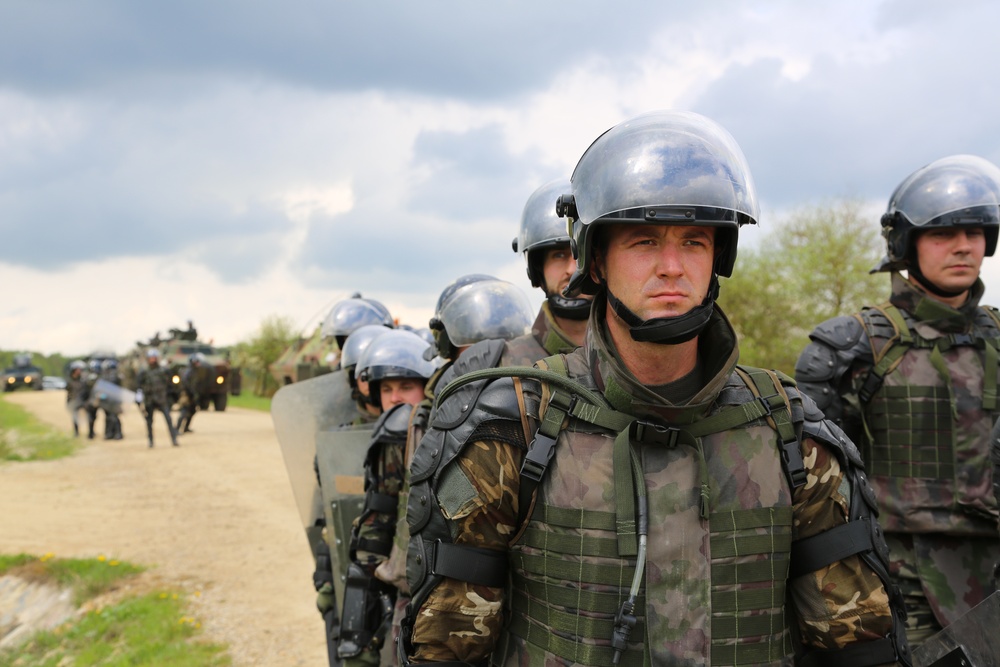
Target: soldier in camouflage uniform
x,y
396,370
152,383
544,241
471,309
111,405
189,393
77,393
355,346
914,380
670,503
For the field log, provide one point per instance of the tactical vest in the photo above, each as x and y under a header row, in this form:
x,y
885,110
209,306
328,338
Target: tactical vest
x,y
928,406
716,595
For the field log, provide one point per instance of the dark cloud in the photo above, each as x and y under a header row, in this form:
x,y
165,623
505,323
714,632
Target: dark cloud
x,y
450,48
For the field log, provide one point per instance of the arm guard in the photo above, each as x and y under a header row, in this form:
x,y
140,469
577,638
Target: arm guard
x,y
861,536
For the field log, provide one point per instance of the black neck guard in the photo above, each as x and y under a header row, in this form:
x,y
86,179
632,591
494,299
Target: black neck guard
x,y
569,308
668,330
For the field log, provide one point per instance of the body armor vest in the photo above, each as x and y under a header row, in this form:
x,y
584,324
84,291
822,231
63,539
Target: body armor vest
x,y
713,590
929,404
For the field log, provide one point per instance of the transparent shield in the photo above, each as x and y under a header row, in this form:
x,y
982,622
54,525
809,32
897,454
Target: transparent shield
x,y
300,412
109,391
973,640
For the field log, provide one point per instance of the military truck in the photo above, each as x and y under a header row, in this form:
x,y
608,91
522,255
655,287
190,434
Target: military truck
x,y
305,358
215,376
21,373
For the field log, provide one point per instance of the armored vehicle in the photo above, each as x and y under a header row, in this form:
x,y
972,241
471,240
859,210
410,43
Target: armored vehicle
x,y
21,373
306,358
215,375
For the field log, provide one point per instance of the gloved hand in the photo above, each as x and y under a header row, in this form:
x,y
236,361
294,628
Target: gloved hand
x,y
325,599
139,396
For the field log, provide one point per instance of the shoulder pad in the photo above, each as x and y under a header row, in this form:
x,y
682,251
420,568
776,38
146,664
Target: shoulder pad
x,y
817,363
484,354
830,435
878,325
840,333
457,419
392,424
986,319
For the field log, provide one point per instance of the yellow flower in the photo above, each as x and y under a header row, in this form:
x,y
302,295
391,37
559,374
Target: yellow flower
x,y
163,596
102,558
113,563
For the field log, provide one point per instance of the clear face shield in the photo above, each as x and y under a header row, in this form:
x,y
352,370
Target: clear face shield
x,y
486,309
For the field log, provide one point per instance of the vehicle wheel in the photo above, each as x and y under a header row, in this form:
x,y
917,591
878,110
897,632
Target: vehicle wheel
x,y
220,402
204,403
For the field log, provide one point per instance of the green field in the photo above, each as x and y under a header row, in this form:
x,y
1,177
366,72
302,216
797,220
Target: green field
x,y
24,438
246,400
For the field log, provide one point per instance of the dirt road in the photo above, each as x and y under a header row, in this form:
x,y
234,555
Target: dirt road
x,y
214,516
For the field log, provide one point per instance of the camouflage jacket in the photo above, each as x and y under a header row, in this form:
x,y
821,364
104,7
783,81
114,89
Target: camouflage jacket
x,y
924,430
545,339
154,383
700,497
77,391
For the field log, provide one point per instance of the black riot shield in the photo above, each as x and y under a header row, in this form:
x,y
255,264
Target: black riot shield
x,y
301,411
971,641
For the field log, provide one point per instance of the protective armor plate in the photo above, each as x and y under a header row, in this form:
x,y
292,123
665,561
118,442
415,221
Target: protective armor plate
x,y
300,412
340,457
975,634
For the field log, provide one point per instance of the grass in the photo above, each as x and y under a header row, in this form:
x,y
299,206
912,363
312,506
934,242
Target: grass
x,y
24,438
149,629
249,401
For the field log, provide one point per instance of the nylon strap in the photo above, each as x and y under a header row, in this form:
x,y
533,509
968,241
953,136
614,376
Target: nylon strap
x,y
482,567
816,552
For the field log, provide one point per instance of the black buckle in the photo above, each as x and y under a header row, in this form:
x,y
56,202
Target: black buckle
x,y
960,340
536,461
653,433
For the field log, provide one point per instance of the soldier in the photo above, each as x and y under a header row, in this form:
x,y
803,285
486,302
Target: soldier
x,y
90,378
190,396
396,369
77,393
348,315
544,241
111,404
152,384
669,503
914,380
354,347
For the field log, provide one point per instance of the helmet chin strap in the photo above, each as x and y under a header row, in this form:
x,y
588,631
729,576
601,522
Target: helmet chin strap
x,y
568,308
668,330
913,268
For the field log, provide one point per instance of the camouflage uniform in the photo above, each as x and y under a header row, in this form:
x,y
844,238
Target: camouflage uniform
x,y
925,438
189,398
77,396
111,405
571,561
154,382
545,339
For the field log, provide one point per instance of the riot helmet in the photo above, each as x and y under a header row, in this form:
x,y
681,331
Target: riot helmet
x,y
541,230
394,354
76,366
349,314
94,365
196,358
479,310
109,364
956,191
152,356
354,347
661,168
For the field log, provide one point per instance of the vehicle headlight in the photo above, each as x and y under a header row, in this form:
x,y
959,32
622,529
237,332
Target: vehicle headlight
x,y
10,380
177,379
27,379
220,380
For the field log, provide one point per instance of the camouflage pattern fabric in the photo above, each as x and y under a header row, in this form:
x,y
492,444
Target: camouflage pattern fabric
x,y
154,382
940,518
739,470
386,477
545,339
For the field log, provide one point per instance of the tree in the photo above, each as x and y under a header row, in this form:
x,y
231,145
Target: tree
x,y
272,338
813,266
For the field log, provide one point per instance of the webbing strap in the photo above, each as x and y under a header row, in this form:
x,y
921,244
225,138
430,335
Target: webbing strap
x,y
625,488
581,545
482,567
816,552
991,368
381,503
571,622
728,601
780,419
619,575
566,517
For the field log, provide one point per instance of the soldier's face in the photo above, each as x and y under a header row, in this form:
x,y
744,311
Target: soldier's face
x,y
396,391
951,257
557,268
363,387
658,270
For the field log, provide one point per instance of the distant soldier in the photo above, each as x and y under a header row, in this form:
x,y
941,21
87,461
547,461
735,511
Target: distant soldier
x,y
152,393
91,405
110,402
190,396
77,393
354,346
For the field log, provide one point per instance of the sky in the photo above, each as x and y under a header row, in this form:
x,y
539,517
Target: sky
x,y
227,161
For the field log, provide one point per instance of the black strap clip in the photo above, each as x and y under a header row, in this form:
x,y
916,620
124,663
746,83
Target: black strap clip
x,y
536,461
654,434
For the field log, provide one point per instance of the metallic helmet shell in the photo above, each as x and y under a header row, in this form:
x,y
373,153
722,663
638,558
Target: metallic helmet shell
x,y
955,191
357,343
485,309
541,228
663,167
395,354
348,315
